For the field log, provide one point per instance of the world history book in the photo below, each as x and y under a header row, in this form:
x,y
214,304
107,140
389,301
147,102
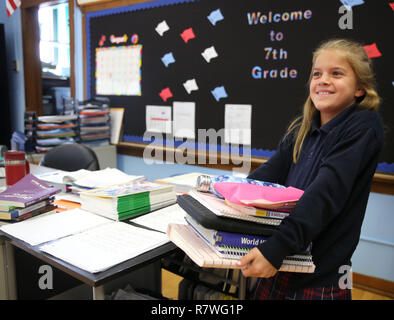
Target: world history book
x,y
204,256
27,191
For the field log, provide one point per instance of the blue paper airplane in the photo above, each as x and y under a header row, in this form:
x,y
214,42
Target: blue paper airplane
x,y
219,92
168,58
351,3
215,16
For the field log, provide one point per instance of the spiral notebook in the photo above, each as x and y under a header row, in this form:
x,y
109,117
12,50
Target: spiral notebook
x,y
204,256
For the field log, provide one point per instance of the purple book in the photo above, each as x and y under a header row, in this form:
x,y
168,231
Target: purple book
x,y
27,191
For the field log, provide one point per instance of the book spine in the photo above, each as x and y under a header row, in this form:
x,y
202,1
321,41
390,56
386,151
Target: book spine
x,y
271,214
43,197
238,240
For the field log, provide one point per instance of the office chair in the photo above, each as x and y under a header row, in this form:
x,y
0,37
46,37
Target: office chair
x,y
71,157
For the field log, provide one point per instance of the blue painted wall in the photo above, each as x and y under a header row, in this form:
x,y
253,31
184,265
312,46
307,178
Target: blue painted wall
x,y
374,255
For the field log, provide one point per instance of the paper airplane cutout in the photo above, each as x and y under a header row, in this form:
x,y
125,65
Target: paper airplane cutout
x,y
162,27
219,92
372,51
165,94
215,16
350,3
187,35
209,54
190,85
168,58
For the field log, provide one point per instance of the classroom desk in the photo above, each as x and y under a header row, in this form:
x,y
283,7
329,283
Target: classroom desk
x,y
96,281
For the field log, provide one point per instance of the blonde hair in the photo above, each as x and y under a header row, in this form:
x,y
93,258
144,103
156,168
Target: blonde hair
x,y
357,58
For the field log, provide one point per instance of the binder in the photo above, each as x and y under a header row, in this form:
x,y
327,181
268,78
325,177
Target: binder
x,y
210,220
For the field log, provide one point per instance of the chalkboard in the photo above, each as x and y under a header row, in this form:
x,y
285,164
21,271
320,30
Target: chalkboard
x,y
262,58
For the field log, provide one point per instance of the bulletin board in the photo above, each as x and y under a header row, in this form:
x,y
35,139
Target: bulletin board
x,y
228,61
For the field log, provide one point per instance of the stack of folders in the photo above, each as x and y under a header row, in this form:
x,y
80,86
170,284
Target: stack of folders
x,y
27,198
217,235
127,200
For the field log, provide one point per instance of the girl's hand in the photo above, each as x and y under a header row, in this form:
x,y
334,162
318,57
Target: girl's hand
x,y
254,264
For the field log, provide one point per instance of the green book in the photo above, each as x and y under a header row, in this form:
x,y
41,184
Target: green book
x,y
127,200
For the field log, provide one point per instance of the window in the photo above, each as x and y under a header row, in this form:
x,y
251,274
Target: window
x,y
54,40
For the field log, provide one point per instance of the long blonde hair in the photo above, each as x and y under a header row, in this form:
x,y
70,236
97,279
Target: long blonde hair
x,y
356,56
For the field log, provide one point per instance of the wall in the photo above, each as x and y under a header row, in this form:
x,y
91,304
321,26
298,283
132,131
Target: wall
x,y
14,51
374,255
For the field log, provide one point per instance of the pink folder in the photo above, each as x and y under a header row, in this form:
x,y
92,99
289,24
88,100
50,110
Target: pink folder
x,y
258,196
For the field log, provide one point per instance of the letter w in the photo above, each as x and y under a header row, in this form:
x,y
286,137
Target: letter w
x,y
253,18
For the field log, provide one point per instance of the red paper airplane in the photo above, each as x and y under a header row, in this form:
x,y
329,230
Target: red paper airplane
x,y
187,35
372,51
165,94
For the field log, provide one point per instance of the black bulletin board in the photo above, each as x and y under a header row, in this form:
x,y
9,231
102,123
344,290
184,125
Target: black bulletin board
x,y
245,67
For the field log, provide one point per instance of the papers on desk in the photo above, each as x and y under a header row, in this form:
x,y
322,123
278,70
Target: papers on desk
x,y
85,240
107,245
160,219
88,179
53,226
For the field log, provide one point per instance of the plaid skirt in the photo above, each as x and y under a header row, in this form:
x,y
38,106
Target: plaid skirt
x,y
279,288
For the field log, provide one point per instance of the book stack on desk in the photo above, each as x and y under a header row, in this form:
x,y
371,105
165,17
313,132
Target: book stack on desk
x,y
217,235
27,198
127,200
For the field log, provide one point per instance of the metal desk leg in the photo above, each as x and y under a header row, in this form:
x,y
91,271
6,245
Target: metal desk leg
x,y
10,271
242,287
98,293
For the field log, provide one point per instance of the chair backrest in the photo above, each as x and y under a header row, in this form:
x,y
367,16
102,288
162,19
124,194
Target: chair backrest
x,y
71,157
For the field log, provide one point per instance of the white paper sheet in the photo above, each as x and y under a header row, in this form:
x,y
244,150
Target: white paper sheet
x,y
116,124
54,226
160,219
105,246
237,124
184,119
158,119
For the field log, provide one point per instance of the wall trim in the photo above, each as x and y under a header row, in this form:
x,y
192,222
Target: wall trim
x,y
376,285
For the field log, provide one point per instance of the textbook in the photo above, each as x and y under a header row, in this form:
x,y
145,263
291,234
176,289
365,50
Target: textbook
x,y
235,246
27,191
204,256
252,211
225,239
126,200
15,212
48,209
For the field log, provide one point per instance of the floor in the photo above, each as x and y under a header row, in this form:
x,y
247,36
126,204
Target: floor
x,y
170,282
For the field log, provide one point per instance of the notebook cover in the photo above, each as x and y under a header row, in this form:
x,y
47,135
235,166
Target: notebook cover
x,y
210,220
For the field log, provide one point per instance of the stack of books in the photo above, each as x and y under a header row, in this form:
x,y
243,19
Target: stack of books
x,y
27,198
127,200
218,233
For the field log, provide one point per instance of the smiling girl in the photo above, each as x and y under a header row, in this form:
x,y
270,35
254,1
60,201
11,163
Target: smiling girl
x,y
331,152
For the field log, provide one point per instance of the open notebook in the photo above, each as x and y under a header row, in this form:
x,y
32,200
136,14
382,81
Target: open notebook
x,y
204,256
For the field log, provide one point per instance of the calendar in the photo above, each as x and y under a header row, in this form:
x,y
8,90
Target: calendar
x,y
118,70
